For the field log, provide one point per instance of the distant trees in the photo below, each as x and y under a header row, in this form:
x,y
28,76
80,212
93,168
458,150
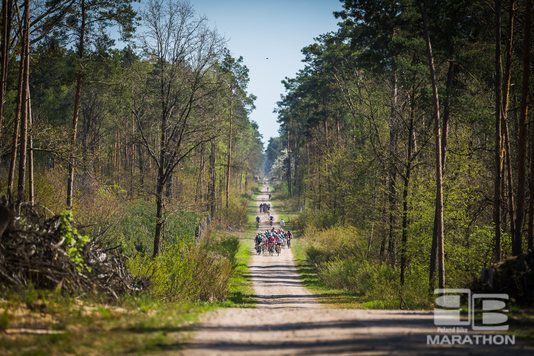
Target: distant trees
x,y
86,22
407,160
177,93
239,102
150,121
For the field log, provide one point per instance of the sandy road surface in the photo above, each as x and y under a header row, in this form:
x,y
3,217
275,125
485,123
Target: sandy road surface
x,y
288,321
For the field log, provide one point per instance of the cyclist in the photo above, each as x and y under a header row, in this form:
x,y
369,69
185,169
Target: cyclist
x,y
289,236
278,244
271,219
269,196
257,221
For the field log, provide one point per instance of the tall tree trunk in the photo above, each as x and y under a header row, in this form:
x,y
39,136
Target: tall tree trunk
x,y
229,156
140,155
159,211
213,192
288,161
72,160
199,198
392,174
504,116
30,154
445,135
530,237
162,163
168,186
23,148
437,131
7,6
498,151
16,128
404,240
522,147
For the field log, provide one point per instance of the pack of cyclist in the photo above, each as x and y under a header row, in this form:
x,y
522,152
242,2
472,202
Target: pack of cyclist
x,y
272,241
265,208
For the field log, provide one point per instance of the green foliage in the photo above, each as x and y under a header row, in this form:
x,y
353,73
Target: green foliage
x,y
371,281
314,220
281,190
73,242
5,319
224,245
335,243
342,263
236,213
136,228
186,272
133,324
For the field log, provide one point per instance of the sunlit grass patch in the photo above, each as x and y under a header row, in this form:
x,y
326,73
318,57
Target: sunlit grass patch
x,y
333,298
70,325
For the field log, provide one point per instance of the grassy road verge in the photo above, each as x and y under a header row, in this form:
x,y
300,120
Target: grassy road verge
x,y
241,291
332,298
133,325
75,326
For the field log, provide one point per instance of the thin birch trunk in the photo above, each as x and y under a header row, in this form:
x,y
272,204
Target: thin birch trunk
x,y
521,159
437,132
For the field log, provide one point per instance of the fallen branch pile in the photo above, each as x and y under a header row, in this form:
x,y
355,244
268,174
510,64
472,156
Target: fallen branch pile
x,y
513,276
33,249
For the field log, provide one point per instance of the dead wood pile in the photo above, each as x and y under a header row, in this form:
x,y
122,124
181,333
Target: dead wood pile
x,y
33,249
513,276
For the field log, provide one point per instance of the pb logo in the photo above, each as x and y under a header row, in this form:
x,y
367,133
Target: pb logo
x,y
485,312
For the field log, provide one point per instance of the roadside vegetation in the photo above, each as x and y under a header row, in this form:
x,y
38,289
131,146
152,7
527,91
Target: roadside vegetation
x,y
148,153
385,148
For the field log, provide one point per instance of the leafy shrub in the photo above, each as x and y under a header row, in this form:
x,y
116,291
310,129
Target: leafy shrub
x,y
223,244
336,243
73,242
316,220
372,281
236,213
185,272
136,229
340,256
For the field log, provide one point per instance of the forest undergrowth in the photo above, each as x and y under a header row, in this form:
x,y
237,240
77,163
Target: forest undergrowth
x,y
186,279
338,263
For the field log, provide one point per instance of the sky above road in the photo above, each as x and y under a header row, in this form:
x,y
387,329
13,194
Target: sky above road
x,y
269,35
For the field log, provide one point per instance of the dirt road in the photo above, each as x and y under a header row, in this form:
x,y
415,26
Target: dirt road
x,y
289,321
